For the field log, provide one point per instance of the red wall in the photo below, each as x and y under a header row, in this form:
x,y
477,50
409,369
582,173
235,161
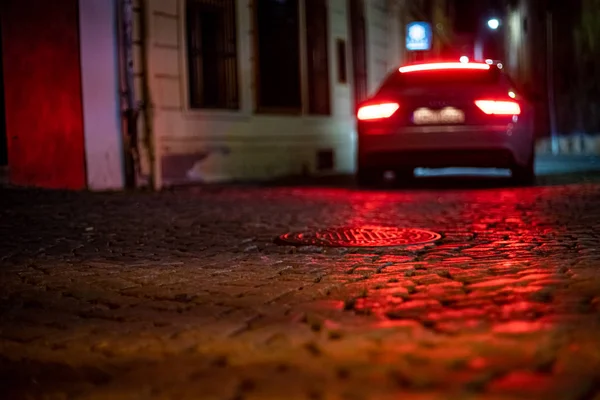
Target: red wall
x,y
44,119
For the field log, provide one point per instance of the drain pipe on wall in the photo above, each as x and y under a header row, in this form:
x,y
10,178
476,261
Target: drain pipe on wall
x,y
129,108
152,179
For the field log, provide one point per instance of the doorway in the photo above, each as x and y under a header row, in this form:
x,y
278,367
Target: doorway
x,y
359,49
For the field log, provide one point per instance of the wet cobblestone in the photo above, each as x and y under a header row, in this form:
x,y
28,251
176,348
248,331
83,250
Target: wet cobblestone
x,y
185,295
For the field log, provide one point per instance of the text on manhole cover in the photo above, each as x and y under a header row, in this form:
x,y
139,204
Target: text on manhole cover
x,y
367,236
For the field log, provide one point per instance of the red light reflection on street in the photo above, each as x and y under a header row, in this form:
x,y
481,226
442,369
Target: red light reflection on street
x,y
484,278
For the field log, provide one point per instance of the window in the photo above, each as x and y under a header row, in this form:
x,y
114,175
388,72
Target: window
x,y
342,71
358,44
277,56
212,54
317,54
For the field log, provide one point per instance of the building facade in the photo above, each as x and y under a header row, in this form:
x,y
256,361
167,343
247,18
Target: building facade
x,y
221,90
62,122
251,90
526,52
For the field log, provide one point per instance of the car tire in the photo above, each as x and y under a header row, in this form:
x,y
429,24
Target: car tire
x,y
524,175
368,177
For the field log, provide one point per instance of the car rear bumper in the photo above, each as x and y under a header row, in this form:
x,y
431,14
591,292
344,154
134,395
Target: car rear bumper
x,y
477,158
439,147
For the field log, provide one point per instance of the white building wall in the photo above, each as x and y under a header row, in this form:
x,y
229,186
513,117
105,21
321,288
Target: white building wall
x,y
377,54
515,43
100,93
339,29
198,145
395,33
384,40
141,44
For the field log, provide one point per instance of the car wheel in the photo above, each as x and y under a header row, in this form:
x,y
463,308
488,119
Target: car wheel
x,y
524,175
368,177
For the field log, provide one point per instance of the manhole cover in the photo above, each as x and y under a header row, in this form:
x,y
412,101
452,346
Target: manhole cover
x,y
367,236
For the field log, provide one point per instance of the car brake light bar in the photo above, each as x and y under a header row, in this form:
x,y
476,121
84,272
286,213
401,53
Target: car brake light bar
x,y
377,111
442,66
494,107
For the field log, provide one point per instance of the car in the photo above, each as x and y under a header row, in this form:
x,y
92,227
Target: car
x,y
445,114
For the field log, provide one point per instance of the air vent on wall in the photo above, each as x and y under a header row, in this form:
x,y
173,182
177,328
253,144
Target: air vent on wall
x,y
325,160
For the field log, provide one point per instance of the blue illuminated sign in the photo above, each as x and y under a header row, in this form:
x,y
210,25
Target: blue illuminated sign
x,y
418,36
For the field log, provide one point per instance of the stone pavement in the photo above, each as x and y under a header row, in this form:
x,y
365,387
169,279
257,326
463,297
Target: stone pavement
x,y
184,295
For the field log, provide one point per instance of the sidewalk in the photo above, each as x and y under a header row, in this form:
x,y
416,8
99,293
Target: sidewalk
x,y
575,144
547,164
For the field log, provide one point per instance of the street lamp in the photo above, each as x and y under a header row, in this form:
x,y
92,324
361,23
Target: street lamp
x,y
493,23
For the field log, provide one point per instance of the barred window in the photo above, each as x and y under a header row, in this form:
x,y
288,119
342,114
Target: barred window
x,y
358,44
317,54
212,54
277,50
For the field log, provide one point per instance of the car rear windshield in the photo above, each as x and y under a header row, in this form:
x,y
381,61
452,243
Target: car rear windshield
x,y
437,78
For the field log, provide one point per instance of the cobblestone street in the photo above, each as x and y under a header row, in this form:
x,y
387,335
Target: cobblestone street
x,y
185,295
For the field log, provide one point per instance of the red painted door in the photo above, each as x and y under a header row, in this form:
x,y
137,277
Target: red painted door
x,y
44,119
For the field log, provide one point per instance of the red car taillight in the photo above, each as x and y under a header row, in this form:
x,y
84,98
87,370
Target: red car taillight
x,y
444,66
377,111
495,107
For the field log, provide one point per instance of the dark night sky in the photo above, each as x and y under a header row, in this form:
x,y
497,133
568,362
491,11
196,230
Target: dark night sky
x,y
469,12
465,16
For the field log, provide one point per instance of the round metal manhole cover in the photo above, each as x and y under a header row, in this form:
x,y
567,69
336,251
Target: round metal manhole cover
x,y
367,236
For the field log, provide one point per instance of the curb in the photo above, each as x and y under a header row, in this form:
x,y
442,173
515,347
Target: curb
x,y
576,144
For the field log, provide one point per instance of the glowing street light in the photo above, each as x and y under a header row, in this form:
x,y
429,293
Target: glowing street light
x,y
493,23
464,59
